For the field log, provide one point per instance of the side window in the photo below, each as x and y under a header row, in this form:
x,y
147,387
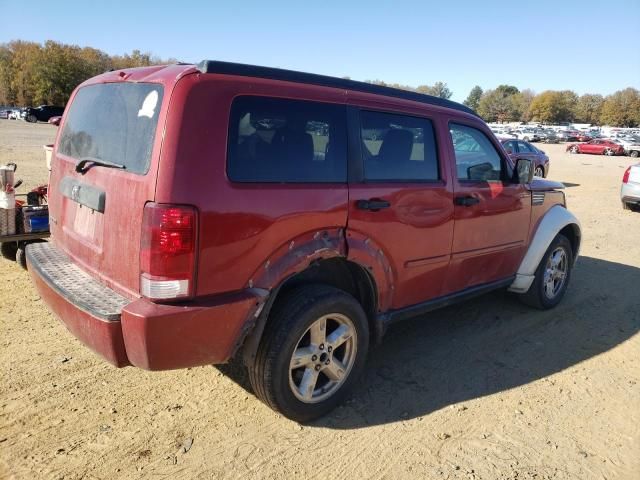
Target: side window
x,y
510,147
397,147
476,157
524,147
278,141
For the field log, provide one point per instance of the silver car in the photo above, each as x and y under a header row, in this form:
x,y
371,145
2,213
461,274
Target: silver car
x,y
630,192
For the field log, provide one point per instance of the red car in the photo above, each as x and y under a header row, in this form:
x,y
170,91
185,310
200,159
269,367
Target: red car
x,y
599,147
220,210
582,137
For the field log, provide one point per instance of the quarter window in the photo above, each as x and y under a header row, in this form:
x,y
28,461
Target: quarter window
x,y
524,147
286,141
476,157
398,147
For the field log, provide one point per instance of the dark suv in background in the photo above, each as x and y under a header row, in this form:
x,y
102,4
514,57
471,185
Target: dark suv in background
x,y
42,113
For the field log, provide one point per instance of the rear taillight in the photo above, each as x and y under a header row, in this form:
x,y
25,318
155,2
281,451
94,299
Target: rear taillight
x,y
625,177
168,251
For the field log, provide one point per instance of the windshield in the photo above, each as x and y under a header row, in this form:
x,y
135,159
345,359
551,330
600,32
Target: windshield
x,y
113,122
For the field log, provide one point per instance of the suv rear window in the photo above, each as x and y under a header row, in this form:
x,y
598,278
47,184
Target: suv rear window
x,y
276,140
115,122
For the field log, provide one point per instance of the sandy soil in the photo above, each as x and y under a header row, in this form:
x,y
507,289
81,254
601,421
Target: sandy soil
x,y
485,390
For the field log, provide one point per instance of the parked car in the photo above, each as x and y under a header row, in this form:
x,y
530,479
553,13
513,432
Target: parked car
x,y
633,150
527,135
630,191
236,231
42,113
4,114
582,137
599,147
521,149
14,115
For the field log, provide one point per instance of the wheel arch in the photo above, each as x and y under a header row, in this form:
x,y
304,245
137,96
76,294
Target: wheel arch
x,y
557,220
318,257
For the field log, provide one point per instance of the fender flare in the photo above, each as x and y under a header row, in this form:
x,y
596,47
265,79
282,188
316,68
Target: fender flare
x,y
557,218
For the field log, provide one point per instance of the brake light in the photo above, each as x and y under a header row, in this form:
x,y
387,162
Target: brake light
x,y
625,177
168,251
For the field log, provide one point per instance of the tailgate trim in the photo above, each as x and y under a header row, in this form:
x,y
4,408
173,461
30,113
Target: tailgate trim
x,y
84,194
74,284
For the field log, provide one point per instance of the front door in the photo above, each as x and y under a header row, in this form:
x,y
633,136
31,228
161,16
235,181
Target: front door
x,y
400,202
491,213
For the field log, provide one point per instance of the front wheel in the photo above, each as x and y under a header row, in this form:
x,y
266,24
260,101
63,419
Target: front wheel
x,y
634,153
608,152
539,172
575,149
313,350
552,275
31,118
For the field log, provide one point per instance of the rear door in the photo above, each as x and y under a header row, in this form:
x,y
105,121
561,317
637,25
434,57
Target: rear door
x,y
491,214
96,211
400,199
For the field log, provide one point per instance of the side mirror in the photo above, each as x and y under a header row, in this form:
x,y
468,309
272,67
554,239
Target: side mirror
x,y
523,172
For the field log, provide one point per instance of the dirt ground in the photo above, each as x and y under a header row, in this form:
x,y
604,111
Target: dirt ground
x,y
489,389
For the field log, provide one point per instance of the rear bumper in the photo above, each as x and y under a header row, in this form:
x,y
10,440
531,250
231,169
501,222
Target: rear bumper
x,y
630,193
139,332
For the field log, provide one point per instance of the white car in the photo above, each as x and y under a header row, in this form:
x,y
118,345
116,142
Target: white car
x,y
631,145
527,135
502,133
14,115
630,191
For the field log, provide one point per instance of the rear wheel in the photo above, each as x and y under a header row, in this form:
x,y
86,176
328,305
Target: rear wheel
x,y
32,118
608,152
634,153
552,275
312,352
8,250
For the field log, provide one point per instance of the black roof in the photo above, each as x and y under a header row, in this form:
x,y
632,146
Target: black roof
x,y
244,70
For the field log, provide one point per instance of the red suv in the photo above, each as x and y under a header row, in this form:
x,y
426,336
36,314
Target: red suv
x,y
204,212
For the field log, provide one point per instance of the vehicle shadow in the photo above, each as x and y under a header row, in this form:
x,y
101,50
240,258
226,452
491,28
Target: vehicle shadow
x,y
569,184
488,345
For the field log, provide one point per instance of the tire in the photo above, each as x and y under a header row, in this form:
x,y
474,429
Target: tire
x,y
32,119
8,250
539,172
608,152
575,149
290,321
21,257
537,296
526,139
634,154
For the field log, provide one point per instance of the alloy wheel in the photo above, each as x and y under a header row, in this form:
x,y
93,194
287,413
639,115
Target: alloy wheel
x,y
323,358
555,273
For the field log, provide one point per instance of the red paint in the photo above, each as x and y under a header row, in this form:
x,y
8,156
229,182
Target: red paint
x,y
253,236
104,338
597,147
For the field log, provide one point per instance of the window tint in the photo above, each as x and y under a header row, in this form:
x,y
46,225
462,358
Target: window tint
x,y
277,140
397,147
524,147
115,122
476,157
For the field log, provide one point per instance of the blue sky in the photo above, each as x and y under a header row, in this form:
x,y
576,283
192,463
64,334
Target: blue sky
x,y
589,47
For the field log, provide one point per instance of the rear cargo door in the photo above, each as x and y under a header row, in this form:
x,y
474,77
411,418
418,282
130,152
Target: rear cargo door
x,y
103,173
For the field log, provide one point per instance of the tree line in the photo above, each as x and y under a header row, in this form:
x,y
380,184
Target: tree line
x,y
508,104
35,74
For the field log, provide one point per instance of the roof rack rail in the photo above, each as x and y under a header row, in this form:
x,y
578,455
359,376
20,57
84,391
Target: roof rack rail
x,y
244,70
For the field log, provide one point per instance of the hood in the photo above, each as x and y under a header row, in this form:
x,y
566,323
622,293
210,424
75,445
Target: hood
x,y
541,185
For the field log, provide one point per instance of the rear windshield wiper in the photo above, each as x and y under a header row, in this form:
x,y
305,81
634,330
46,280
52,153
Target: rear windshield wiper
x,y
86,163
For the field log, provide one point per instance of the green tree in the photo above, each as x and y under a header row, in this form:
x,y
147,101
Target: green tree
x,y
500,105
438,89
589,108
473,100
553,106
622,109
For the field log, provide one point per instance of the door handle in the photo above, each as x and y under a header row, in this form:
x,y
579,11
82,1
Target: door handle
x,y
466,201
373,205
